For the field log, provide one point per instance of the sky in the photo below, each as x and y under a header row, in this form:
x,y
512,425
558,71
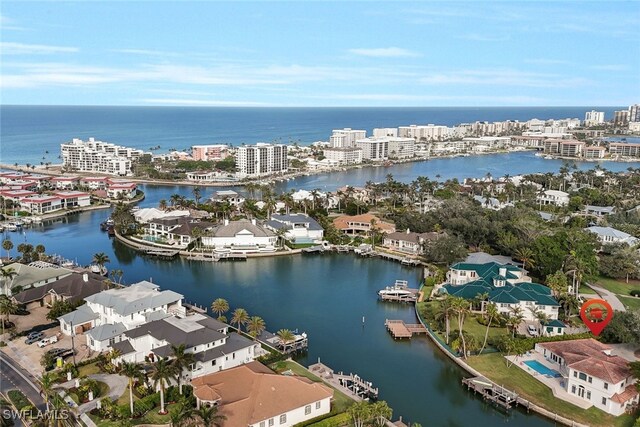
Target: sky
x,y
311,53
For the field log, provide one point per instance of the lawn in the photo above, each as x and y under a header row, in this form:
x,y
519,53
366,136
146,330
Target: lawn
x,y
631,303
152,417
619,287
584,289
493,366
89,369
340,400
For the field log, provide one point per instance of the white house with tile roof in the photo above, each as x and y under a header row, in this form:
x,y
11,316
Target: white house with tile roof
x,y
610,235
592,373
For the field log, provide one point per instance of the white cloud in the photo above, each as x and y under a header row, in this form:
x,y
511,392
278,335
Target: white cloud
x,y
610,67
144,52
385,52
502,78
9,48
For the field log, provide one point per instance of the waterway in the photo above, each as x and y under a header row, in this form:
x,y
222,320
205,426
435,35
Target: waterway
x,y
325,295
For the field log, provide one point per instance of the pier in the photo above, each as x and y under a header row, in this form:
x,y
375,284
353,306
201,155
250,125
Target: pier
x,y
399,292
399,329
491,392
216,257
351,384
165,253
314,249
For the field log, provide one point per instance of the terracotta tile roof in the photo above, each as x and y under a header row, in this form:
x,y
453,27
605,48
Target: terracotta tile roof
x,y
342,222
252,393
588,356
629,393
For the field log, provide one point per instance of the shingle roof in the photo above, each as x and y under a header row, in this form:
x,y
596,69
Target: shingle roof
x,y
178,331
234,342
82,314
235,227
298,218
106,331
28,274
137,297
73,287
124,347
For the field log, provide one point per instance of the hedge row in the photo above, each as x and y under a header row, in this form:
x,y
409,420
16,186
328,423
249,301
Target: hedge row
x,y
19,400
339,420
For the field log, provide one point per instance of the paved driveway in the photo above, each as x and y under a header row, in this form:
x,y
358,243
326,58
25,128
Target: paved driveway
x,y
609,297
117,385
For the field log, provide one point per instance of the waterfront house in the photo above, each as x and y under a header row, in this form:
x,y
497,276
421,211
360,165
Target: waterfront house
x,y
553,197
253,395
592,373
16,195
227,196
145,215
241,237
73,288
34,274
121,190
491,203
176,229
65,182
94,182
610,235
73,199
408,241
362,224
106,315
213,346
298,227
41,204
506,285
599,211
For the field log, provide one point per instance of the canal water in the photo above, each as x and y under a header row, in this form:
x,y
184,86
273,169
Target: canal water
x,y
326,296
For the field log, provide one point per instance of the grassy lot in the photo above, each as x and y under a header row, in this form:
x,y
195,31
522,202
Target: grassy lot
x,y
340,400
493,366
152,417
584,289
632,303
89,369
619,287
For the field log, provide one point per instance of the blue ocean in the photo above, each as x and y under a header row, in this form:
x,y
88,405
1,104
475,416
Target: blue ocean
x,y
33,134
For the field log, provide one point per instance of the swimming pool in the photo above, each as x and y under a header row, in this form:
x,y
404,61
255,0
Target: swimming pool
x,y
540,368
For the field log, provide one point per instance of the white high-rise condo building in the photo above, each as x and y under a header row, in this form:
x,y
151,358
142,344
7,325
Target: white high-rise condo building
x,y
98,156
347,137
261,159
388,147
344,156
634,113
382,132
593,117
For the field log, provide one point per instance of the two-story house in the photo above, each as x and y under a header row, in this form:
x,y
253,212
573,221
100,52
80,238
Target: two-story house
x,y
553,197
592,373
610,235
108,314
298,227
409,242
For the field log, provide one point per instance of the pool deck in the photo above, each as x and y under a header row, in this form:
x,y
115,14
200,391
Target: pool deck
x,y
553,383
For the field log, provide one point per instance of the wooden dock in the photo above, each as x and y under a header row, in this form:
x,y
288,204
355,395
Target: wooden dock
x,y
215,257
313,249
491,392
352,384
166,253
399,329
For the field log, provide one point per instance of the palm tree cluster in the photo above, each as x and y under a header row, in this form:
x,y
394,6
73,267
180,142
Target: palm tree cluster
x,y
255,325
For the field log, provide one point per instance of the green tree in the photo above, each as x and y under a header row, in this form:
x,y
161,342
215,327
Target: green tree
x,y
461,308
39,250
526,256
515,319
624,327
286,337
7,275
256,326
197,195
7,245
380,413
240,318
133,372
100,259
181,360
60,308
208,416
444,313
557,282
219,307
445,250
47,382
360,413
491,311
7,308
162,372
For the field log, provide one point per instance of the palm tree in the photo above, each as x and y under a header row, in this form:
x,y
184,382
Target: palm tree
x,y
65,417
47,381
175,199
132,372
515,319
240,318
162,372
445,312
526,256
184,413
7,274
286,336
100,259
461,308
162,205
197,195
117,275
181,360
255,326
491,310
220,306
7,307
209,416
7,245
380,412
40,249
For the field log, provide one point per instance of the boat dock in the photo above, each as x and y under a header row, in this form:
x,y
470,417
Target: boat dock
x,y
399,292
351,384
399,329
300,342
216,257
314,249
491,392
165,253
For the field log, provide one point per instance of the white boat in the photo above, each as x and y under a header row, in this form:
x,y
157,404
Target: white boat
x,y
399,288
11,226
18,223
36,220
95,268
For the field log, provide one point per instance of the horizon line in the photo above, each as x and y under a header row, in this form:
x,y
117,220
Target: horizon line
x,y
314,106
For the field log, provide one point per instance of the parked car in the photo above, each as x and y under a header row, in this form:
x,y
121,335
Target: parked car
x,y
46,341
532,330
34,337
60,352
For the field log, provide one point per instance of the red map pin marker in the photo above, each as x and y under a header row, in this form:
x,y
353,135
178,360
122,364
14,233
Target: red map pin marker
x,y
596,314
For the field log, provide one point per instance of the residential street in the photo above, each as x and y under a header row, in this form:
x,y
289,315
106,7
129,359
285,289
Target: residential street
x,y
12,376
